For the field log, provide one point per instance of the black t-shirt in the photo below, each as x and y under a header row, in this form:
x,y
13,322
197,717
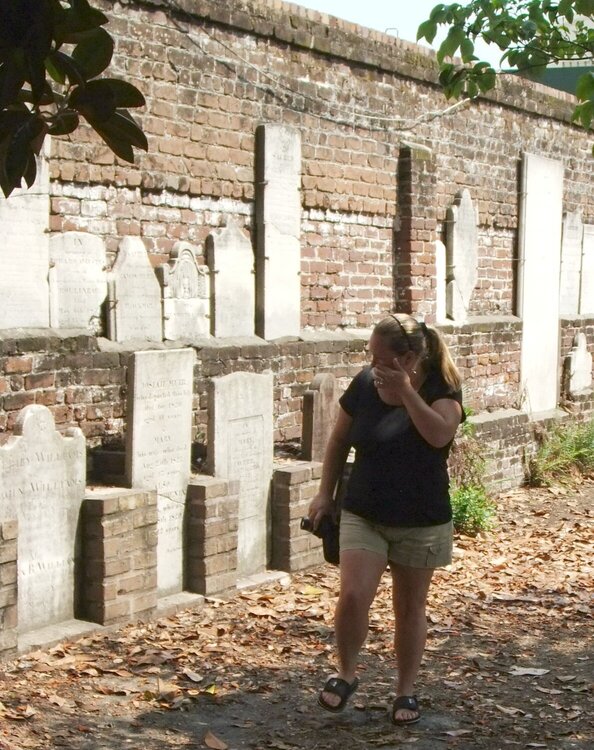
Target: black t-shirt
x,y
397,479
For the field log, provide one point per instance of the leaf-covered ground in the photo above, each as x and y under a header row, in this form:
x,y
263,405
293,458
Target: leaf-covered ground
x,y
509,663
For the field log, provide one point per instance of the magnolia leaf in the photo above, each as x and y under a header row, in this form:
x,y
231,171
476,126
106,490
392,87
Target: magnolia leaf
x,y
212,741
532,671
93,54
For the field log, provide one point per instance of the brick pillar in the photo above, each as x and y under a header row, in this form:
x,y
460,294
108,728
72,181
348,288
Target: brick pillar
x,y
415,282
211,535
119,561
293,487
8,589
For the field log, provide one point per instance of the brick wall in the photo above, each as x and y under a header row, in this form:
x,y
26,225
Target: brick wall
x,y
211,74
8,589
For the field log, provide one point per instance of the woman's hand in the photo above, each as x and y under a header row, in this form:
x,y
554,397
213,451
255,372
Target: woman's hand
x,y
391,381
320,506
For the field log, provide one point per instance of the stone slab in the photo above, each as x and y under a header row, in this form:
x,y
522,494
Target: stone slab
x,y
230,259
134,295
185,289
461,255
278,218
320,408
541,200
571,263
42,485
24,260
77,280
580,366
240,447
587,277
158,448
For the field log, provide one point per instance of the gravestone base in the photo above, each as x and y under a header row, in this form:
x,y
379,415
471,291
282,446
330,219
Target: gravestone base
x,y
211,535
119,555
8,589
293,487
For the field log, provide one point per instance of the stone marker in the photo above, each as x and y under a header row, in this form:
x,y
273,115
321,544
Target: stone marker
x,y
230,258
185,290
42,485
539,232
320,406
462,255
158,445
24,259
580,366
77,280
240,446
278,218
134,295
571,264
587,277
440,279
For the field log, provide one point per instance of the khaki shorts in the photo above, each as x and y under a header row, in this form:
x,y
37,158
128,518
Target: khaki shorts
x,y
414,547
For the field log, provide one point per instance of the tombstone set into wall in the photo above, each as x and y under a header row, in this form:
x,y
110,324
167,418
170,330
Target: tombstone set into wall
x,y
106,554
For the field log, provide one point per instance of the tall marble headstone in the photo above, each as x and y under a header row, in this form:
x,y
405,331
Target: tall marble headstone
x,y
42,486
579,366
541,202
240,446
571,263
440,280
461,255
158,445
587,277
320,406
77,280
185,288
134,295
278,218
24,260
230,259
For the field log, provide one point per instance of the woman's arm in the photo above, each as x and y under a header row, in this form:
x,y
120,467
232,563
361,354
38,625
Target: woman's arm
x,y
437,423
335,456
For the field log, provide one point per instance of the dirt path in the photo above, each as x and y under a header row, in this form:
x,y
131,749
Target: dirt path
x,y
509,662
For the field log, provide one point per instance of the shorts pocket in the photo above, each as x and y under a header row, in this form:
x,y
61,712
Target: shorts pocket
x,y
438,555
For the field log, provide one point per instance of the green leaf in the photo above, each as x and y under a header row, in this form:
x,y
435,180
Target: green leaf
x,y
454,39
64,123
11,82
120,133
78,18
65,68
126,95
25,141
94,52
585,86
467,50
94,101
427,30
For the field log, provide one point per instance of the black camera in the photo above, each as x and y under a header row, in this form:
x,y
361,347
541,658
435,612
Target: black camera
x,y
325,526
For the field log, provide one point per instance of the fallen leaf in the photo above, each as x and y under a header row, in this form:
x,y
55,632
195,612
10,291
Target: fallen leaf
x,y
212,741
532,671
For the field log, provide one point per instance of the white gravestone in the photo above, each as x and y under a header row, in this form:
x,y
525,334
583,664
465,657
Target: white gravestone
x,y
24,256
462,255
240,446
77,279
580,366
278,217
158,446
440,280
42,476
185,290
587,277
230,258
320,407
134,295
541,201
571,264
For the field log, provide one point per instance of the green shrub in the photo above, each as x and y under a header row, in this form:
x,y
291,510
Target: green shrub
x,y
563,453
473,510
472,507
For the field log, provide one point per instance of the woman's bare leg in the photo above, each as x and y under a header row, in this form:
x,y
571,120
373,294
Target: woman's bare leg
x,y
410,589
360,574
